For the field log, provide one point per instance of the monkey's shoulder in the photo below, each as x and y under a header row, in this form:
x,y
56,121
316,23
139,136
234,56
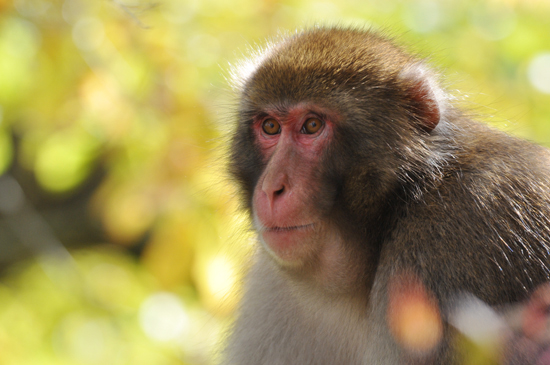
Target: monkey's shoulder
x,y
495,164
486,161
486,227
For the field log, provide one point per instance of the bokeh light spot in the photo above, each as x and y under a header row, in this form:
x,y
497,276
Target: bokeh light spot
x,y
220,277
64,160
539,72
163,317
413,314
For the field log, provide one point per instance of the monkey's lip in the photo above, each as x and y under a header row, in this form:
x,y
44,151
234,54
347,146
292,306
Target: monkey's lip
x,y
289,228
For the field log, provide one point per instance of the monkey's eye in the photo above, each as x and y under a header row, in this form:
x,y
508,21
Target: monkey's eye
x,y
271,126
312,125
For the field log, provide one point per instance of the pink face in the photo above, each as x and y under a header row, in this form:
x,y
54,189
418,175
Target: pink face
x,y
284,199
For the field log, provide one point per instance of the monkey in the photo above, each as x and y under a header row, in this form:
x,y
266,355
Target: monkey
x,y
372,194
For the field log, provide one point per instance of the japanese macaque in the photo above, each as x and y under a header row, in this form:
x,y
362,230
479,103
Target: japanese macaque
x,y
378,205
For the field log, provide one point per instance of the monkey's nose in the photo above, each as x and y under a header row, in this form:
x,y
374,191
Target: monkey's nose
x,y
275,189
273,195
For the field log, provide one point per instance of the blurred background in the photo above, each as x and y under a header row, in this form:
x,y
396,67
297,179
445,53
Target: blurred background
x,y
121,240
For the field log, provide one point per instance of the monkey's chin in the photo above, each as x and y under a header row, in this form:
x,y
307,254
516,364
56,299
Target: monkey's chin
x,y
288,244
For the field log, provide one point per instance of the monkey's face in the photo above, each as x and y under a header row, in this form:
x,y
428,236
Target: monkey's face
x,y
287,199
326,131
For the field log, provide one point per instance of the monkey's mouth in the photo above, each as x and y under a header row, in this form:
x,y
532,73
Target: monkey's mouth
x,y
289,228
287,243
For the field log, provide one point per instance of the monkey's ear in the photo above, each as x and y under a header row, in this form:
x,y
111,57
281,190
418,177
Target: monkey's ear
x,y
425,96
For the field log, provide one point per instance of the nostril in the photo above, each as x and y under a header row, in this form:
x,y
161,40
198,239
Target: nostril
x,y
275,187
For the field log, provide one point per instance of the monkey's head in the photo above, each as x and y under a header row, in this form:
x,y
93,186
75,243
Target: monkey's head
x,y
330,121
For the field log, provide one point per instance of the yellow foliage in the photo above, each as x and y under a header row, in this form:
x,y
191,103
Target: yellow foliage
x,y
128,99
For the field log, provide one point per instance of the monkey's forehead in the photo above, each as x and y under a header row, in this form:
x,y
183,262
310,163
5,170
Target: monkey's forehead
x,y
323,60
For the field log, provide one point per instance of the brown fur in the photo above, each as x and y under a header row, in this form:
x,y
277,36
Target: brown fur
x,y
411,184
